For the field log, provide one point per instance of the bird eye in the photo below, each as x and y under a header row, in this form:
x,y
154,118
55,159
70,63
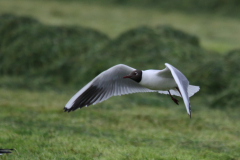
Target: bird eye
x,y
136,73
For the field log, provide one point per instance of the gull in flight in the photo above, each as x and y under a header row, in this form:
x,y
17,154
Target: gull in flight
x,y
122,79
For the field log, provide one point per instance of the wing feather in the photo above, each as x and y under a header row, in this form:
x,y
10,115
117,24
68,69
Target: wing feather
x,y
183,84
107,84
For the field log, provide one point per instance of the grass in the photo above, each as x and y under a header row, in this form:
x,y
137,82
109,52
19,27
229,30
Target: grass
x,y
216,32
140,126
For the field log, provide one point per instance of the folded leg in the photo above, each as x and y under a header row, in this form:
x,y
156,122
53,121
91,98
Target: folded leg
x,y
174,99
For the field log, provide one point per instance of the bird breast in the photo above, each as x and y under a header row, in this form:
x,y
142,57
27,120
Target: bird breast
x,y
151,80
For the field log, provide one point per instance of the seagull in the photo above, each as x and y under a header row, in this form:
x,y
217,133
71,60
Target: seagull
x,y
122,79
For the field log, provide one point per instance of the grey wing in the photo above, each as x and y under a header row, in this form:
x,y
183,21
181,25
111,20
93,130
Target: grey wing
x,y
107,84
183,84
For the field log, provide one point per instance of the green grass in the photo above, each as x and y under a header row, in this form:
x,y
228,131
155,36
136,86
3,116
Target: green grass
x,y
139,126
216,32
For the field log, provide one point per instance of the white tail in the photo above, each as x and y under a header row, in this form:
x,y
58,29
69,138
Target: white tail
x,y
191,91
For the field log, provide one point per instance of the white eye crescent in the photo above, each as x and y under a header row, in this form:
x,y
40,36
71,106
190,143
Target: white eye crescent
x,y
136,73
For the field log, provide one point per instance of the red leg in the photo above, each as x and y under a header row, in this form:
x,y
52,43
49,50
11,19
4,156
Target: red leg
x,y
174,99
179,91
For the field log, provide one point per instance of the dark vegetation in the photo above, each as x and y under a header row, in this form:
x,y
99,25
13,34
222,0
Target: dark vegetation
x,y
53,55
223,7
37,56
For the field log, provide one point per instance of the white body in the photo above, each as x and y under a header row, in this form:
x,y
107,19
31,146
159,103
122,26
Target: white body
x,y
152,80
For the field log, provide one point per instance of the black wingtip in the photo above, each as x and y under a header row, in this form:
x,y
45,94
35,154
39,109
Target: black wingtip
x,y
66,109
69,109
190,111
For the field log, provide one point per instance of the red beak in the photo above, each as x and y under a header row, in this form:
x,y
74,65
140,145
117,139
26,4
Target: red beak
x,y
127,77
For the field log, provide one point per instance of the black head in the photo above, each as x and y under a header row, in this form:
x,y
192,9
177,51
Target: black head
x,y
135,75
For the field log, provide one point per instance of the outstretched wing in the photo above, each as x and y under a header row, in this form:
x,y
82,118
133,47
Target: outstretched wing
x,y
107,84
183,84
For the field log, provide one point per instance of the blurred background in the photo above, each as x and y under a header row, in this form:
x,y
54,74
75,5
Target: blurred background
x,y
50,49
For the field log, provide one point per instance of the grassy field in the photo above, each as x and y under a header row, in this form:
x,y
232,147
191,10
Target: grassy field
x,y
140,126
215,32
